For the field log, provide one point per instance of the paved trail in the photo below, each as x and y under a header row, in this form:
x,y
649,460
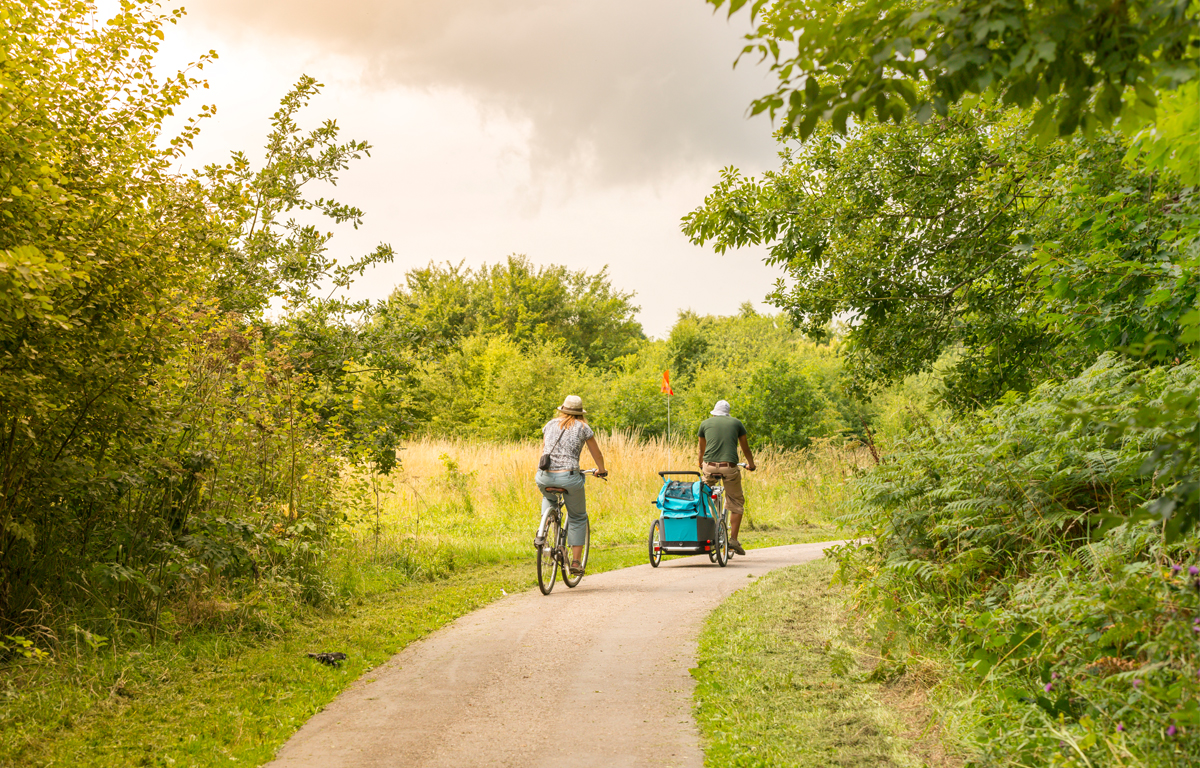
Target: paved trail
x,y
591,676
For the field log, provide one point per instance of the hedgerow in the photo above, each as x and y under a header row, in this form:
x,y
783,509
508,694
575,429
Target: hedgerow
x,y
1045,546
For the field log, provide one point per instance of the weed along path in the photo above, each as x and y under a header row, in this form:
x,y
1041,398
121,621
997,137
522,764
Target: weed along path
x,y
596,675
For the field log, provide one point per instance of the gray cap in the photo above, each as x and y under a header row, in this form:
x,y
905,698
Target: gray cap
x,y
720,409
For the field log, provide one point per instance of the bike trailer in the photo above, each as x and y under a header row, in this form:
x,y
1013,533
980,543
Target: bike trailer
x,y
687,519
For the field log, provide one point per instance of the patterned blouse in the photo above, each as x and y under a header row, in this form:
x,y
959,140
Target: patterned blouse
x,y
564,452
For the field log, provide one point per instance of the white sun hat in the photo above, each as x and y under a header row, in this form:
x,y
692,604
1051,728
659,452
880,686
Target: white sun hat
x,y
573,405
720,409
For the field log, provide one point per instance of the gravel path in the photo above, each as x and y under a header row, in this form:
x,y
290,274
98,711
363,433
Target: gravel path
x,y
591,676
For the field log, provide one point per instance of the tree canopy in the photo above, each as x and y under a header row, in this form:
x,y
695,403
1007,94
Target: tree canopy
x,y
941,235
1083,63
441,304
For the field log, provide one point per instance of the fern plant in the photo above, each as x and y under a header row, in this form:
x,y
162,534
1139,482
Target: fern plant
x,y
1048,545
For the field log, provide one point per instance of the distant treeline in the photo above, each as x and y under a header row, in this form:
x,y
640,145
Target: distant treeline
x,y
489,353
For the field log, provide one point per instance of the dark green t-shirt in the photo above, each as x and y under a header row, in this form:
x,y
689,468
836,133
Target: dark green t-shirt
x,y
721,435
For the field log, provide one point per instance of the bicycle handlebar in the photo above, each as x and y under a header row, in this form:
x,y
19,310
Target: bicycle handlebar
x,y
663,475
743,464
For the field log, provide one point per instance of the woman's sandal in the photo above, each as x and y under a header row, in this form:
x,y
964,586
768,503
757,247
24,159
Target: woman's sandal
x,y
576,568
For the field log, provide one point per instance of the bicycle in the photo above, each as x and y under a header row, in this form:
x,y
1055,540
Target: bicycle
x,y
551,542
722,553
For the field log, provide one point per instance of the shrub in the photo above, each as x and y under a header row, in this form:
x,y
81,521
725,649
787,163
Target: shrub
x,y
1029,542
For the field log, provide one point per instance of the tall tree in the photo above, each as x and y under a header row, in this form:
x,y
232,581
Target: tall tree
x,y
441,304
947,235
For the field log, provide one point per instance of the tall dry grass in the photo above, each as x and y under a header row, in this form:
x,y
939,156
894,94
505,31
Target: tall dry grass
x,y
476,501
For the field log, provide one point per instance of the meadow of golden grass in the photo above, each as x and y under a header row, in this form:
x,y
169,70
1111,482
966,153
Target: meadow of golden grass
x,y
478,500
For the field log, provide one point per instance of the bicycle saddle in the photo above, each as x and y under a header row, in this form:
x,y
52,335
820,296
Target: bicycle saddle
x,y
550,489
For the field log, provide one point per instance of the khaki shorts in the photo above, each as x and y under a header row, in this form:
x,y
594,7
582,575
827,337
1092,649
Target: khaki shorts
x,y
732,479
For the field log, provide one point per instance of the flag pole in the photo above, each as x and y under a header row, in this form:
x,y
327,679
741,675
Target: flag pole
x,y
666,390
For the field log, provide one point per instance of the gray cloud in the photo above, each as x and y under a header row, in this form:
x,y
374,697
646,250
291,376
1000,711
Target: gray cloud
x,y
627,90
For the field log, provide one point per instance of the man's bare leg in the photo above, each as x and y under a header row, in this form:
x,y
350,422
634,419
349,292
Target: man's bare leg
x,y
735,522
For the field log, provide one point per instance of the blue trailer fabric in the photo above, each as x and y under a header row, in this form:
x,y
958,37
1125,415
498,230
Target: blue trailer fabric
x,y
681,499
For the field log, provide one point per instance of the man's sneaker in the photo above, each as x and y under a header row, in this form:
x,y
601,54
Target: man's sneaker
x,y
736,547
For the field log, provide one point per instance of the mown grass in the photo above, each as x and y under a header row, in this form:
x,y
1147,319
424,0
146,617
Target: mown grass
x,y
782,680
228,680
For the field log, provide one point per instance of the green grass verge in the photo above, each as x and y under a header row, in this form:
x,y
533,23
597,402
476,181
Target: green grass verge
x,y
782,682
220,696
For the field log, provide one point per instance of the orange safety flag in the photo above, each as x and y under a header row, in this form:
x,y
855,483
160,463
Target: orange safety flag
x,y
666,384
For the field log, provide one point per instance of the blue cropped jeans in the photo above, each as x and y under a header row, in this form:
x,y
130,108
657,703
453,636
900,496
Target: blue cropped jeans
x,y
576,503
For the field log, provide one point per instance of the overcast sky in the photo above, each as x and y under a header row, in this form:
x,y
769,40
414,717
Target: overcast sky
x,y
574,132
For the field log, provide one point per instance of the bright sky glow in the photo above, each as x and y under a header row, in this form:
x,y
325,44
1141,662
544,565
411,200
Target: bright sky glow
x,y
574,132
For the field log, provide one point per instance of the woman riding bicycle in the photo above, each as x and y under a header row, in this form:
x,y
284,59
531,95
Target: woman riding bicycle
x,y
563,439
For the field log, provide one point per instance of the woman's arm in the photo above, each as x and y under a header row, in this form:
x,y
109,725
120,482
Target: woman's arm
x,y
594,449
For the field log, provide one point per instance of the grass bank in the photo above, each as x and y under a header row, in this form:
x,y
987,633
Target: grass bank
x,y
783,679
220,697
228,680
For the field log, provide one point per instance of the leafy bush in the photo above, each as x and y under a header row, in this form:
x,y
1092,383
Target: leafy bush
x,y
162,442
1030,541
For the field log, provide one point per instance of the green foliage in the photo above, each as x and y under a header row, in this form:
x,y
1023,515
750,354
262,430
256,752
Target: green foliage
x,y
101,261
160,441
440,305
269,257
494,388
627,396
786,389
1172,142
1034,542
1081,63
504,380
1125,273
961,234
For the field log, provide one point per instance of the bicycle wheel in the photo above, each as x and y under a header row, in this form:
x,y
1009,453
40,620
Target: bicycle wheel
x,y
547,563
655,545
568,579
722,545
718,511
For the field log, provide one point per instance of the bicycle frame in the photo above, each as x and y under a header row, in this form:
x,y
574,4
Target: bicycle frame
x,y
558,516
557,505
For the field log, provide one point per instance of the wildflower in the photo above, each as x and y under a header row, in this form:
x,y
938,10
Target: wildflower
x,y
1137,683
1194,570
1054,675
1171,730
1121,727
1176,568
1049,687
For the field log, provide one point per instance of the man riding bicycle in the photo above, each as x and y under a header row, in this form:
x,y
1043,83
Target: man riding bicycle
x,y
720,435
